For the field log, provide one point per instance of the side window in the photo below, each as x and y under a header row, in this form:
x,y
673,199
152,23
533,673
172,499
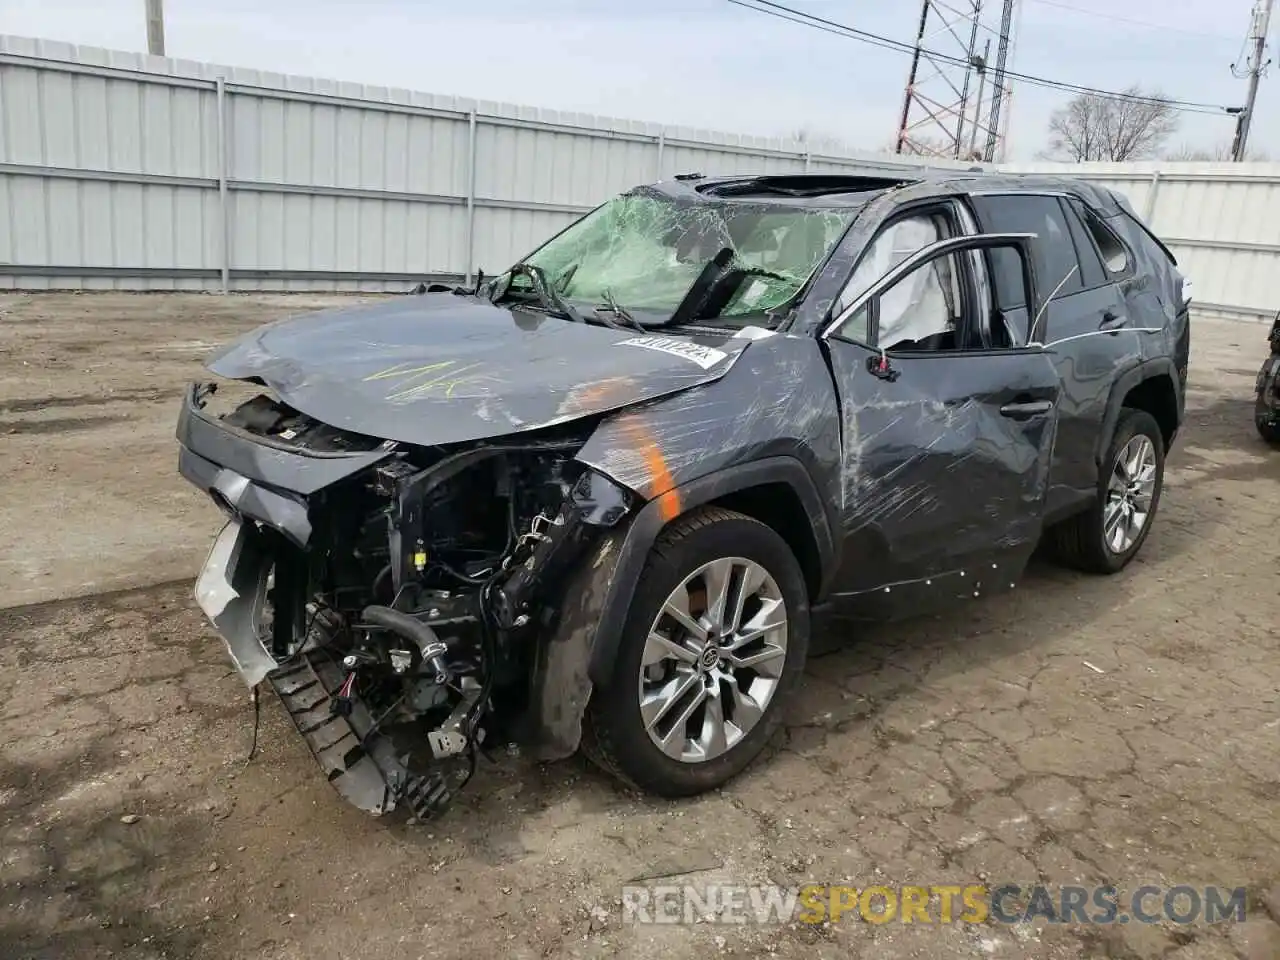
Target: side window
x,y
1115,256
1057,270
924,311
891,246
1092,272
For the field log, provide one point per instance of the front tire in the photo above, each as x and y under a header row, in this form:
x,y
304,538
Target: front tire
x,y
1110,533
714,645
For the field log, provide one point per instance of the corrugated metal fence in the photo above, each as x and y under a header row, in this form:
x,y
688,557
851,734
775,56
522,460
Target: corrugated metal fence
x,y
1221,220
120,170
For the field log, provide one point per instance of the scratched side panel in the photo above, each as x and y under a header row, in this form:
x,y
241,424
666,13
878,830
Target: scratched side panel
x,y
934,480
778,399
943,494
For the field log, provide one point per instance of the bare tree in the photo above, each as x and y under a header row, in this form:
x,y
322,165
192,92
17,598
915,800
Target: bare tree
x,y
1220,152
1130,126
820,142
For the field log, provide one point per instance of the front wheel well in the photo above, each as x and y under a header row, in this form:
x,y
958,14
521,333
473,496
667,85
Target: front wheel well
x,y
778,506
1158,397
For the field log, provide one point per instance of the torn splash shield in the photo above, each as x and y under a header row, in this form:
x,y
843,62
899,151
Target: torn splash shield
x,y
561,681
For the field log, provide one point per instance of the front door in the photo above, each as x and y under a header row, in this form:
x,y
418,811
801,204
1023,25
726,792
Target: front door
x,y
946,436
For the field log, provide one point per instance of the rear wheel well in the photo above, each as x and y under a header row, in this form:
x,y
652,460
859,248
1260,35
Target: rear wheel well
x,y
1156,395
778,506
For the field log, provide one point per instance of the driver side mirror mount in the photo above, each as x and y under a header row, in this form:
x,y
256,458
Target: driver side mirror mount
x,y
879,367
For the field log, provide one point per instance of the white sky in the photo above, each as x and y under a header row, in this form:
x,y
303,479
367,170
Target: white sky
x,y
704,63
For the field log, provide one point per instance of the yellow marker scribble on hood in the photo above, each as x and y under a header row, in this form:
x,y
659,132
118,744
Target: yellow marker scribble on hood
x,y
443,385
405,371
441,378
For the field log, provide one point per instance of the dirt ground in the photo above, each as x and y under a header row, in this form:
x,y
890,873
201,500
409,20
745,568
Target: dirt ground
x,y
89,393
1081,730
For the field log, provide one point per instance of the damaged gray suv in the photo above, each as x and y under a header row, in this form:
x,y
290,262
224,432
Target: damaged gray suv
x,y
597,500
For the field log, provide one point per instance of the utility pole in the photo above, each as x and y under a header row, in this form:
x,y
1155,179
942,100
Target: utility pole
x,y
155,27
1254,67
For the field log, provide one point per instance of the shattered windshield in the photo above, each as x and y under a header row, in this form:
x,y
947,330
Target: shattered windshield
x,y
644,251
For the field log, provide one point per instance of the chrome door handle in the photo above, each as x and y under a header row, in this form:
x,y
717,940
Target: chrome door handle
x,y
1026,409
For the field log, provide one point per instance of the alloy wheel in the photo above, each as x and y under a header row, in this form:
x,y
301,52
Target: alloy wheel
x,y
1130,494
713,659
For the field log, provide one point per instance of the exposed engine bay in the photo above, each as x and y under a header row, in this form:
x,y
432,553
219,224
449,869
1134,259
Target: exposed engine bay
x,y
402,631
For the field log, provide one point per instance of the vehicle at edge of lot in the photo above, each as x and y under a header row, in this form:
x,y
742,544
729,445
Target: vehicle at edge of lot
x,y
1266,404
596,501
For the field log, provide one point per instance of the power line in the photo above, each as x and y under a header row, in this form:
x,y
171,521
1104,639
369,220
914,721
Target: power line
x,y
898,46
1137,23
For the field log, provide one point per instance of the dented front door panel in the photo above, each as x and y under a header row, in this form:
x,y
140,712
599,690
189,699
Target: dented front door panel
x,y
944,474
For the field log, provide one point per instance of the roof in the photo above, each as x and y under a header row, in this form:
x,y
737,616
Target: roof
x,y
836,190
820,191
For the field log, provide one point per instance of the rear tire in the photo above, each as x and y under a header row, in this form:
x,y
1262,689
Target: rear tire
x,y
731,708
1267,421
1106,537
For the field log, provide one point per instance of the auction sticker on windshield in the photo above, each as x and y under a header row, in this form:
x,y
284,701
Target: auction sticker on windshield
x,y
705,357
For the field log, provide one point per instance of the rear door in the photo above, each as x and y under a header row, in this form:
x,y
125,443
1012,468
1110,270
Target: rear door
x,y
945,438
1082,320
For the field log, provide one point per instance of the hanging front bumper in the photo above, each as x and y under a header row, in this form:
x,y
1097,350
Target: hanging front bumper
x,y
232,592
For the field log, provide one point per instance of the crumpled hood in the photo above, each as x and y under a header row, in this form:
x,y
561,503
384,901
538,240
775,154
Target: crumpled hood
x,y
439,368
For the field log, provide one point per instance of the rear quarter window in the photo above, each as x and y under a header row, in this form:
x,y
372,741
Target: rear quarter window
x,y
1115,254
1142,236
1138,233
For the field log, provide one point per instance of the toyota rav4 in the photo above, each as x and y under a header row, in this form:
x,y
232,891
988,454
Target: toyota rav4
x,y
596,501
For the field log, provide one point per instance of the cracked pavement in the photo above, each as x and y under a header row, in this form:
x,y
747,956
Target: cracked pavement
x,y
1080,730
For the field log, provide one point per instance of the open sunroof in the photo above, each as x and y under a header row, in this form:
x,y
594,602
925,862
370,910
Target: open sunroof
x,y
818,185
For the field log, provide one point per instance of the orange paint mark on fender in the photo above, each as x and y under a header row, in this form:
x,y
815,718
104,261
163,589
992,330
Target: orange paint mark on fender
x,y
669,506
660,479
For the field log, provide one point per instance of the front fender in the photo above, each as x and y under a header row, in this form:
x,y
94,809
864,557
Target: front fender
x,y
778,399
656,514
771,419
579,652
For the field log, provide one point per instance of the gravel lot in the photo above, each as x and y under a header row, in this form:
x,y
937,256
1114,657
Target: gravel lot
x,y
1082,730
